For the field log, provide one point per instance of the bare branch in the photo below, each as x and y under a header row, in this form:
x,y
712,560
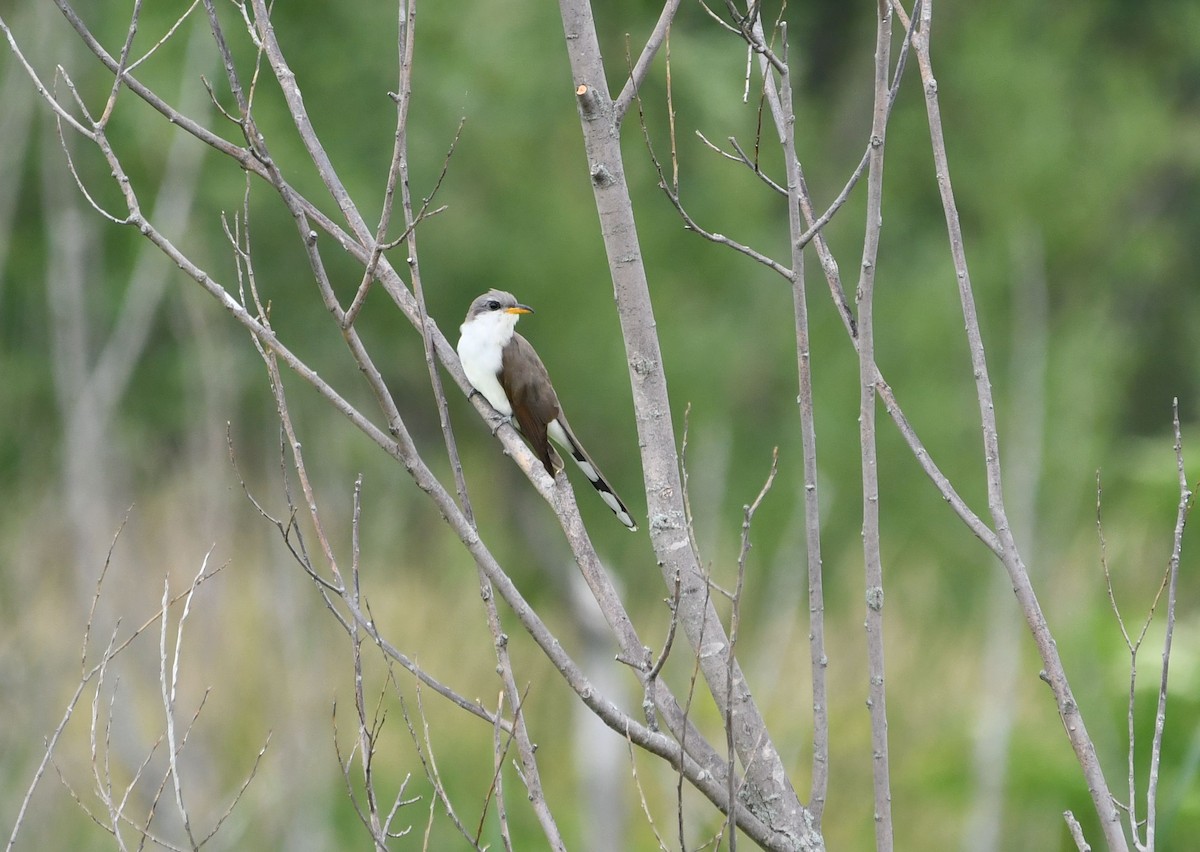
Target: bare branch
x,y
735,619
744,159
500,746
685,478
241,791
784,118
165,38
356,613
122,63
402,97
169,686
1160,716
1132,647
425,753
671,190
308,135
62,141
641,69
530,775
637,783
1076,832
768,788
656,669
817,224
1069,712
48,96
96,673
877,700
113,367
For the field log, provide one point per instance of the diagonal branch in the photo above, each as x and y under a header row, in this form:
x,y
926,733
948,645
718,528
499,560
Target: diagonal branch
x,y
1055,674
641,68
308,134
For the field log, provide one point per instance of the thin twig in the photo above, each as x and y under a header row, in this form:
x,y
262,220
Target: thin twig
x,y
424,213
744,159
1130,806
1160,716
500,746
1076,832
169,685
821,221
735,620
167,36
122,63
96,136
637,784
685,477
97,674
670,189
429,763
241,791
641,69
47,95
673,603
367,730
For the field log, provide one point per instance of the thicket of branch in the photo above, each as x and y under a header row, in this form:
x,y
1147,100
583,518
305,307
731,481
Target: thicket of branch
x,y
739,769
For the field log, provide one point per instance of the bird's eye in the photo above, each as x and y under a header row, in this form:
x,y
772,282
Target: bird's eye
x,y
493,305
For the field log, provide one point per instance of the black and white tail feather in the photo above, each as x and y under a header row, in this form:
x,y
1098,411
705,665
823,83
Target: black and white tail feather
x,y
564,437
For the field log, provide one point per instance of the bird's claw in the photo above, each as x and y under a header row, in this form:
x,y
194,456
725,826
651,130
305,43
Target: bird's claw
x,y
497,423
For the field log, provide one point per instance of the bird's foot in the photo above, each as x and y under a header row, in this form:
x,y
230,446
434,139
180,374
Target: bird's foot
x,y
495,425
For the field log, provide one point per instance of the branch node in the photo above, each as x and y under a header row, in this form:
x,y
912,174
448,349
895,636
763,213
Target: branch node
x,y
601,176
589,101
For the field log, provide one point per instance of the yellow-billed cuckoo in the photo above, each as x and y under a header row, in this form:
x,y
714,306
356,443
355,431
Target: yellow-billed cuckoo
x,y
502,366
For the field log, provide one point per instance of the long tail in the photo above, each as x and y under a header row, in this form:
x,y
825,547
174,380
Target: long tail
x,y
561,432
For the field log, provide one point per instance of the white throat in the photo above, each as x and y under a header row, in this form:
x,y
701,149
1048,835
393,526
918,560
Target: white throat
x,y
480,348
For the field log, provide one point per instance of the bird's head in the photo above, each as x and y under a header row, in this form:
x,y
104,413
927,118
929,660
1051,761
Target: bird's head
x,y
496,306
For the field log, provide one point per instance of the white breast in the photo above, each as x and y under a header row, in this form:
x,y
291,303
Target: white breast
x,y
480,349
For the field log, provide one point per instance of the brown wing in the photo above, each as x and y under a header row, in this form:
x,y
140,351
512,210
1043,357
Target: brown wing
x,y
534,403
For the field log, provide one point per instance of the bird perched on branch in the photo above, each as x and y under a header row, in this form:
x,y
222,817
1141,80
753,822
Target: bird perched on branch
x,y
502,366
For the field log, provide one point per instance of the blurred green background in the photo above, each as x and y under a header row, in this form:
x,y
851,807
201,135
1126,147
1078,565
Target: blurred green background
x,y
1074,139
